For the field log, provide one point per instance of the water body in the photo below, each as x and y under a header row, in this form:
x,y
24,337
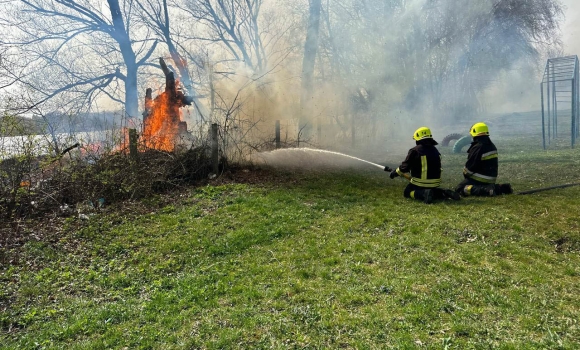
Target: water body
x,y
39,145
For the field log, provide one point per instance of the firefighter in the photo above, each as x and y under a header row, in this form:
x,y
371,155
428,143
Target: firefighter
x,y
422,168
480,170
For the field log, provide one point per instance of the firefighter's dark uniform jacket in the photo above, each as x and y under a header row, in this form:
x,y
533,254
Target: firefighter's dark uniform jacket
x,y
482,161
423,162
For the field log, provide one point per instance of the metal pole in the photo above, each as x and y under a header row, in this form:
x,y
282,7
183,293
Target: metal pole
x,y
573,131
549,96
574,102
214,148
577,97
554,103
277,134
543,124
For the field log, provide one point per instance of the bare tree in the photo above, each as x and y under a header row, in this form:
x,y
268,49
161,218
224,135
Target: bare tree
x,y
9,71
309,60
82,48
434,56
156,15
233,23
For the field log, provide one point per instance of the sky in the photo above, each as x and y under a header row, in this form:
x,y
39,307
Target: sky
x,y
571,27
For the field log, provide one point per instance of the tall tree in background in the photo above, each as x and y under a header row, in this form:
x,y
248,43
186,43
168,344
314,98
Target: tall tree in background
x,y
436,56
156,15
308,62
79,48
433,56
232,23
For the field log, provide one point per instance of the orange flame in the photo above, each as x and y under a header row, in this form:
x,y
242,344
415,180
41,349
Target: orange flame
x,y
161,125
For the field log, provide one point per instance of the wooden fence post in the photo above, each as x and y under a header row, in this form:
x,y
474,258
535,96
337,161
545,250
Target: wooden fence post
x,y
214,148
353,130
277,134
133,144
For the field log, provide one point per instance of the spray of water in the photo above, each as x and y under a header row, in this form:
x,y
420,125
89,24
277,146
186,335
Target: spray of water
x,y
307,157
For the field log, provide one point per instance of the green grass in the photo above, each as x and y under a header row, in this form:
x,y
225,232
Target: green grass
x,y
322,260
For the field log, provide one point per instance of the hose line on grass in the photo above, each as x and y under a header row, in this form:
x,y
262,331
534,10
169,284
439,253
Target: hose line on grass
x,y
536,190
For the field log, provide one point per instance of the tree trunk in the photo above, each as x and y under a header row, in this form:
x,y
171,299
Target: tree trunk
x,y
310,49
131,95
121,35
181,66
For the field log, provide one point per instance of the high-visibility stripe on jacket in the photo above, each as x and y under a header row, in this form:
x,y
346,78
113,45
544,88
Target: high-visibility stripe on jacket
x,y
482,161
423,162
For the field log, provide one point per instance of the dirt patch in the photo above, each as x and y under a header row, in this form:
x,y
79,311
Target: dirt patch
x,y
566,244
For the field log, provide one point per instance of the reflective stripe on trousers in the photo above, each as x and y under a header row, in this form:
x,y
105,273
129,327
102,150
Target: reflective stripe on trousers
x,y
479,177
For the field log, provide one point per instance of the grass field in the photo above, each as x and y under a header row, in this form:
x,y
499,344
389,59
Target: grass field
x,y
312,260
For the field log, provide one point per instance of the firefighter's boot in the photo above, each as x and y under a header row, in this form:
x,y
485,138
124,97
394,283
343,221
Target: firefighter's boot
x,y
479,190
426,195
506,189
451,195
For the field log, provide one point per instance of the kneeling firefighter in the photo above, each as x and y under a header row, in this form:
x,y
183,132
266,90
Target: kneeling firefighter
x,y
481,168
423,162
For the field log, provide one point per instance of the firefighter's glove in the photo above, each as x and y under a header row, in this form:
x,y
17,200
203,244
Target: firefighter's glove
x,y
393,174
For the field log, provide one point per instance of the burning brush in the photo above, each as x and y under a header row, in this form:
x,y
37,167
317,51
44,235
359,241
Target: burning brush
x,y
162,123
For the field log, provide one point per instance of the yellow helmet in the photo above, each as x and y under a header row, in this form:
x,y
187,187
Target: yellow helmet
x,y
479,129
422,133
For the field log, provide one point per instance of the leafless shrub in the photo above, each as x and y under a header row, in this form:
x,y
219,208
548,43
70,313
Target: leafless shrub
x,y
33,184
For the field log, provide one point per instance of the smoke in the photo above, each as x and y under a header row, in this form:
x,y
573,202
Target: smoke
x,y
385,68
571,31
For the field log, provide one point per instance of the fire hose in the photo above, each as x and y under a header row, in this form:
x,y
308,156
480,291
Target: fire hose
x,y
535,190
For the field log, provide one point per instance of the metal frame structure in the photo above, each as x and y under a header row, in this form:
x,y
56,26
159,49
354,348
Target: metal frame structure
x,y
561,78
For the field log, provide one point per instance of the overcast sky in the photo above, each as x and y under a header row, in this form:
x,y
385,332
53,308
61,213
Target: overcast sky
x,y
571,28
